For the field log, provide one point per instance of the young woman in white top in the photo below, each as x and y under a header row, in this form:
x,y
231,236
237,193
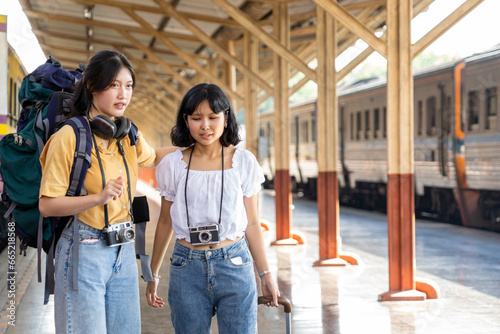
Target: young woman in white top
x,y
210,200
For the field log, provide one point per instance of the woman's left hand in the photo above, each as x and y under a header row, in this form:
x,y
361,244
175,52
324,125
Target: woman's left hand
x,y
151,296
269,288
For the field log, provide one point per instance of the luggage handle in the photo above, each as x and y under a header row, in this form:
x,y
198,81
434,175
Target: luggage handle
x,y
281,300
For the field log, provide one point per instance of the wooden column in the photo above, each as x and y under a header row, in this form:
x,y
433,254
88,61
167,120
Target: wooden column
x,y
327,115
250,59
211,76
229,73
282,131
400,184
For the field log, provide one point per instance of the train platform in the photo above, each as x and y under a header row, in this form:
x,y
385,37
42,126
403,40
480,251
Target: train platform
x,y
463,262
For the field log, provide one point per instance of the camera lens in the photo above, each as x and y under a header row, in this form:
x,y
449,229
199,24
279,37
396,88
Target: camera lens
x,y
126,234
205,236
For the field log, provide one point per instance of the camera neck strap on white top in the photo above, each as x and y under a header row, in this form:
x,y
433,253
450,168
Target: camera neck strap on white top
x,y
221,190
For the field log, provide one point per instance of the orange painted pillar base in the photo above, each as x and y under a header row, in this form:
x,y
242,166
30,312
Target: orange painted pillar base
x,y
330,242
401,233
424,289
334,262
430,288
401,295
264,224
284,235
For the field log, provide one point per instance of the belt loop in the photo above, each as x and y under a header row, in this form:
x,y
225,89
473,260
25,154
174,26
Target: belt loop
x,y
190,255
224,250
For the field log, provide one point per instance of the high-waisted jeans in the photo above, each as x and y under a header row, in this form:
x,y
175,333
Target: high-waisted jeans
x,y
213,282
107,299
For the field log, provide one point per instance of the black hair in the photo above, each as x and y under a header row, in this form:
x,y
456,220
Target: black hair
x,y
218,102
99,74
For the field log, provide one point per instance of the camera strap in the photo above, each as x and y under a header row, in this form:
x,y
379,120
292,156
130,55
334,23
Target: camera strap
x,y
120,147
221,190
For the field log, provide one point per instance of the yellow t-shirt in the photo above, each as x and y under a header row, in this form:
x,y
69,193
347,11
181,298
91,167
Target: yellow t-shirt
x,y
57,159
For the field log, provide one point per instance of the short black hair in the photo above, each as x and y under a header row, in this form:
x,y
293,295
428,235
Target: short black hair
x,y
218,102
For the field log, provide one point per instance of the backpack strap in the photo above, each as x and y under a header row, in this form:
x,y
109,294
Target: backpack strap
x,y
83,151
133,133
81,164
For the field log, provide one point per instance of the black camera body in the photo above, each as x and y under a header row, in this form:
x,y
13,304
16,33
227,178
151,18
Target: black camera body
x,y
119,234
204,235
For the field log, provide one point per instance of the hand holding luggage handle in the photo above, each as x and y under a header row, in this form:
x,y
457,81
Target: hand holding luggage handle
x,y
287,306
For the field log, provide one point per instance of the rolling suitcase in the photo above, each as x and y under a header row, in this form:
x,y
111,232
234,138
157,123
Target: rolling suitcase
x,y
287,305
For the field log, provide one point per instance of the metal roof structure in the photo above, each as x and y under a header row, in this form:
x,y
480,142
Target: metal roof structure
x,y
174,44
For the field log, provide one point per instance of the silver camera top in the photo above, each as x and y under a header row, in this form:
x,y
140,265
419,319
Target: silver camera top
x,y
118,226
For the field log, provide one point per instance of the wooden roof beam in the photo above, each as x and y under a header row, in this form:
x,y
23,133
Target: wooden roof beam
x,y
309,53
112,42
269,39
191,16
357,27
143,68
221,51
158,111
155,57
153,9
101,24
158,93
422,5
444,26
181,53
89,53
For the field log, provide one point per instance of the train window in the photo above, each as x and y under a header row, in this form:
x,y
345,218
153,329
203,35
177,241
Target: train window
x,y
473,111
304,132
17,109
491,108
358,125
11,101
367,124
294,133
431,116
384,122
446,121
352,126
313,130
420,117
376,123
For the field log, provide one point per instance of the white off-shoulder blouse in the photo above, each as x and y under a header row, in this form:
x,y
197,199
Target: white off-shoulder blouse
x,y
204,193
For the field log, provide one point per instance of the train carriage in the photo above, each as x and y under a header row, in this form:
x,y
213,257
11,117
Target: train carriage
x,y
456,146
16,73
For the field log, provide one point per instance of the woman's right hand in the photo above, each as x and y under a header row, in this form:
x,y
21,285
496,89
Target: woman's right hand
x,y
153,299
113,190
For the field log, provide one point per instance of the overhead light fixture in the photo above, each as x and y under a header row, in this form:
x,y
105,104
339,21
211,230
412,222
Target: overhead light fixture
x,y
88,12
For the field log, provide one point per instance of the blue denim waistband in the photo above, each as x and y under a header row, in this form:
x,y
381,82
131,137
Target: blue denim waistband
x,y
81,227
209,253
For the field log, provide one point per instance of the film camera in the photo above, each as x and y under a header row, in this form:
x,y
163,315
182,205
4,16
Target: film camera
x,y
119,234
204,235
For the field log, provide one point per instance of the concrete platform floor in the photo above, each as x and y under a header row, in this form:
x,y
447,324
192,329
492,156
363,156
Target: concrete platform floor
x,y
464,263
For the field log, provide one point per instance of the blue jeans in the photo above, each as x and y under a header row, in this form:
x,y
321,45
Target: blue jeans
x,y
213,282
107,299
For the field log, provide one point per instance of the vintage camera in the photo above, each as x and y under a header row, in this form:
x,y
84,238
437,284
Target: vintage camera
x,y
119,234
204,235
